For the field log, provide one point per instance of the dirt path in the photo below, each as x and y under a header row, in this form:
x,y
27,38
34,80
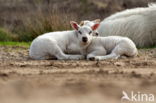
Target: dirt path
x,y
49,81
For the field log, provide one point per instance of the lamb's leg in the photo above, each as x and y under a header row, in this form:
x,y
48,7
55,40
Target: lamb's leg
x,y
110,56
56,51
61,56
97,52
116,53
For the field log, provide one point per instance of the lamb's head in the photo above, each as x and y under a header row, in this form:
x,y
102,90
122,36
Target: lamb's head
x,y
91,23
84,33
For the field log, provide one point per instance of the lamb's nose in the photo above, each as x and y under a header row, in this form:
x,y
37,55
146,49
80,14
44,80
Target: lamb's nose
x,y
84,39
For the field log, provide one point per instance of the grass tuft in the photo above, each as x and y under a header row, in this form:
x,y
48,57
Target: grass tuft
x,y
10,43
5,35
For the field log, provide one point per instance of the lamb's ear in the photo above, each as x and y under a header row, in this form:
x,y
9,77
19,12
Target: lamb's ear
x,y
74,25
81,23
97,20
95,26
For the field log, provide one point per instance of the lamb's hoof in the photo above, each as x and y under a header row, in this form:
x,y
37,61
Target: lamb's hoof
x,y
91,58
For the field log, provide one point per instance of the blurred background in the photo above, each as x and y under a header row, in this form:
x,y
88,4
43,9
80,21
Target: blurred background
x,y
23,20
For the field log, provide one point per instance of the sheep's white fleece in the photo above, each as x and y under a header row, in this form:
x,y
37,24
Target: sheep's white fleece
x,y
139,24
55,45
111,47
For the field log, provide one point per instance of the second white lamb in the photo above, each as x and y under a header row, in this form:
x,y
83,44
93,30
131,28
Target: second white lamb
x,y
110,47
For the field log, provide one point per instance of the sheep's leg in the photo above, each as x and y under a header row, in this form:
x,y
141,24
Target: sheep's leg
x,y
116,53
110,56
62,56
58,53
41,58
97,52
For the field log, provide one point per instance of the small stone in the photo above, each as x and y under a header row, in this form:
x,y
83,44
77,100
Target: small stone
x,y
119,64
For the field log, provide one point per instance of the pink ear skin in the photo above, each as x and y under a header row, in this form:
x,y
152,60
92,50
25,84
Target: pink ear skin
x,y
94,27
74,25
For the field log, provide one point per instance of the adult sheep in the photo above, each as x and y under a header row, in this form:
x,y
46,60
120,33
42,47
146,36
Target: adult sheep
x,y
139,24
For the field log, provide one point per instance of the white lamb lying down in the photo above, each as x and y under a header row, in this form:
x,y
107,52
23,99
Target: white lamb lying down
x,y
139,24
60,44
111,47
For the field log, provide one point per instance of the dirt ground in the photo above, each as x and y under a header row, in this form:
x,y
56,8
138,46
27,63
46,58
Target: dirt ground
x,y
51,81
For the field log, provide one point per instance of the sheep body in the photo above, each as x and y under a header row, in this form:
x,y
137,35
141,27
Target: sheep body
x,y
139,24
111,47
55,45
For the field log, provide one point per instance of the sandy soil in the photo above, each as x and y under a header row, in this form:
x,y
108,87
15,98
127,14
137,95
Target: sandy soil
x,y
51,81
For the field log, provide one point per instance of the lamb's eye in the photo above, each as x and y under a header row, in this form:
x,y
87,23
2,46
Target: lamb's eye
x,y
80,32
90,32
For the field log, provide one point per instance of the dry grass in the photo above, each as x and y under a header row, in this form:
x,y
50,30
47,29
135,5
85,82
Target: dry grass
x,y
26,19
41,23
5,35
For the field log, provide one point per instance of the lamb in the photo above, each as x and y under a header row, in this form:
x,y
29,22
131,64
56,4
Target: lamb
x,y
139,24
60,44
111,47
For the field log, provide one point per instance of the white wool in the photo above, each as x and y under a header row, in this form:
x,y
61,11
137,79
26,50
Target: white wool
x,y
55,45
139,24
61,45
111,47
152,5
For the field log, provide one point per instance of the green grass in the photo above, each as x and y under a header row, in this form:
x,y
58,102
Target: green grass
x,y
10,43
5,35
151,47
